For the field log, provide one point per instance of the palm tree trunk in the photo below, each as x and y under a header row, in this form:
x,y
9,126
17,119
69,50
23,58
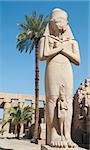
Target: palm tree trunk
x,y
36,90
18,130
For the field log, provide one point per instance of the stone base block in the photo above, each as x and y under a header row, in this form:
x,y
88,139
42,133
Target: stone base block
x,y
47,147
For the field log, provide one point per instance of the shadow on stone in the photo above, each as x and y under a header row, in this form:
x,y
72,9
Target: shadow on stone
x,y
81,138
5,148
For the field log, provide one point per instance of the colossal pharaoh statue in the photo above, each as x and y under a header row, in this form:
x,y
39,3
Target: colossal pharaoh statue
x,y
59,48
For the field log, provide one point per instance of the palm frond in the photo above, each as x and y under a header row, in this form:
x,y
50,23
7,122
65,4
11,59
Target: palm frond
x,y
27,19
26,115
34,14
23,26
18,115
21,36
35,25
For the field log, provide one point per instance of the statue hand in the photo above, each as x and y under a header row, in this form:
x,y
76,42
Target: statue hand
x,y
67,45
55,41
57,44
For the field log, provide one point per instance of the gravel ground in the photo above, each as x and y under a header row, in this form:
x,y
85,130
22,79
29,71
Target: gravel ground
x,y
14,144
9,142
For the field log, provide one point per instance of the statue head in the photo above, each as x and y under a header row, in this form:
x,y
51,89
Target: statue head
x,y
58,24
58,20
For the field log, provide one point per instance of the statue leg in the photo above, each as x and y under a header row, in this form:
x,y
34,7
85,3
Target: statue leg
x,y
68,85
68,122
53,138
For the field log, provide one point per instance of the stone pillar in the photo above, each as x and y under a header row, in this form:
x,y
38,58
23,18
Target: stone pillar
x,y
21,131
7,106
21,104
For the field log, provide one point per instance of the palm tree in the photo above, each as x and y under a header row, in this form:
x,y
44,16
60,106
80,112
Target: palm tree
x,y
27,40
17,116
1,130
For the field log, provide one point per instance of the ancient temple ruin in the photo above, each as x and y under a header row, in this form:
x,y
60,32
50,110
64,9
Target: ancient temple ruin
x,y
8,100
81,114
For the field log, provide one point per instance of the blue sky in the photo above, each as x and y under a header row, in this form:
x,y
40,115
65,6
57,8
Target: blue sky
x,y
17,70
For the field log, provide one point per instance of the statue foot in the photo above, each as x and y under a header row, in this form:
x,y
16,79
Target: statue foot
x,y
59,142
55,141
71,144
63,142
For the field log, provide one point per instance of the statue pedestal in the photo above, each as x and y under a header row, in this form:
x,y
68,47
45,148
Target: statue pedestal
x,y
47,147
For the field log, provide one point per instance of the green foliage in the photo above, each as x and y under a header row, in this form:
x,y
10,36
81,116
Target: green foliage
x,y
2,131
19,115
33,27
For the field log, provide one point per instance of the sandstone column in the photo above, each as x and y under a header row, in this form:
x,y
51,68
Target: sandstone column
x,y
7,106
21,104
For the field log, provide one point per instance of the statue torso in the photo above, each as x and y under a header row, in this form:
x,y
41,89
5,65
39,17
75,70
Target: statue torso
x,y
59,58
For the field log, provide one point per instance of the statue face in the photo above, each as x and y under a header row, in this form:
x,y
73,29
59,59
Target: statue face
x,y
61,23
58,26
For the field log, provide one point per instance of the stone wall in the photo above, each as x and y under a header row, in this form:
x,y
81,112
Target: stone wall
x,y
8,100
81,114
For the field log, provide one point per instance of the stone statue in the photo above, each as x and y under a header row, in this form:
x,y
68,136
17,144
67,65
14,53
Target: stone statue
x,y
59,48
87,86
85,101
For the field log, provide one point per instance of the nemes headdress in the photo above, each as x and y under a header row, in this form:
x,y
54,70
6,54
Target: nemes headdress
x,y
58,13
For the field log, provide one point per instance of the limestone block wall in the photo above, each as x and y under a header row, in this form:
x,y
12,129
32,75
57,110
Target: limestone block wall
x,y
8,100
81,114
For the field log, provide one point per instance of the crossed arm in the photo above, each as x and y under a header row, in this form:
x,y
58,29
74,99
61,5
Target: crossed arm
x,y
68,48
